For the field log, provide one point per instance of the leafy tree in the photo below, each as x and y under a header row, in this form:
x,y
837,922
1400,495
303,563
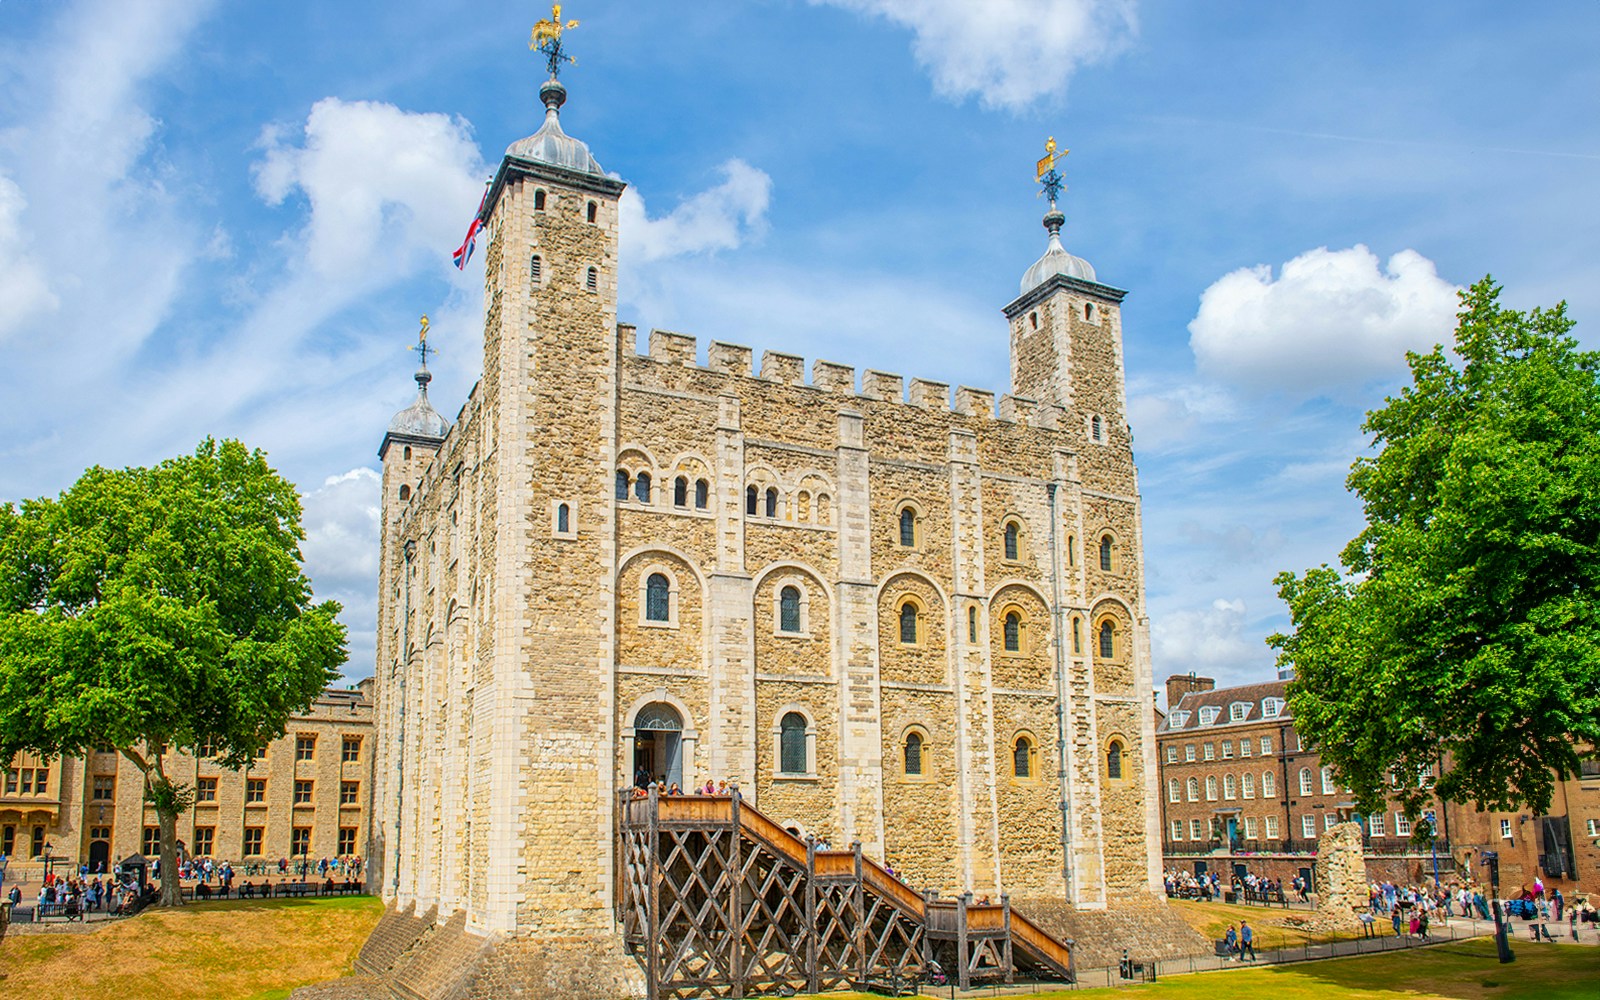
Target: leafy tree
x,y
1465,634
152,609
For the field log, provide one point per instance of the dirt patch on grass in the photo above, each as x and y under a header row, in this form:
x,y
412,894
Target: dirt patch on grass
x,y
206,952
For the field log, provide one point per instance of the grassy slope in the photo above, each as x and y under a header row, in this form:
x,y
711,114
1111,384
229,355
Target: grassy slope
x,y
1465,970
1212,920
207,952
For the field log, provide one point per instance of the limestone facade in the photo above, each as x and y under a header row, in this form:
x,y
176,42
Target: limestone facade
x,y
876,609
307,794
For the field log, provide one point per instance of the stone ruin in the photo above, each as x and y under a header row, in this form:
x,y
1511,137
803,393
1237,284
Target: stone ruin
x,y
1342,881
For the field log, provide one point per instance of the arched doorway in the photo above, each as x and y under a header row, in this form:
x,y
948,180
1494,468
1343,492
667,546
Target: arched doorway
x,y
99,855
658,744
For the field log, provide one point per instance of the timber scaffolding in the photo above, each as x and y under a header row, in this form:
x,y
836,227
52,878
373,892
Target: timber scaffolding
x,y
717,900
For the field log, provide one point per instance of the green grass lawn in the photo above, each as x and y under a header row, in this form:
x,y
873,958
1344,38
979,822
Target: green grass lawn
x,y
1466,970
245,949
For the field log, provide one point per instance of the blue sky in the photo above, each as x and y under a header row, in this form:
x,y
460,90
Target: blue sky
x,y
224,218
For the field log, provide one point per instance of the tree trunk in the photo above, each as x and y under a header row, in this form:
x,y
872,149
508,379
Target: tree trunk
x,y
171,886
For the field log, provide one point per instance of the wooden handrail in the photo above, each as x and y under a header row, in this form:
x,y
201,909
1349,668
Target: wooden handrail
x,y
1031,935
896,891
781,840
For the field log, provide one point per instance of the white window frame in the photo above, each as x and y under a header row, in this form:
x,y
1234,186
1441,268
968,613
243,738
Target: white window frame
x,y
1272,828
1230,787
1505,829
1209,751
1328,787
1172,753
1375,825
1193,788
1188,753
1247,785
1271,708
1244,747
1177,829
1308,826
1209,714
1177,720
1305,781
1196,831
1174,790
1211,788
1402,826
1328,820
1269,785
1227,749
1238,711
1266,746
1250,828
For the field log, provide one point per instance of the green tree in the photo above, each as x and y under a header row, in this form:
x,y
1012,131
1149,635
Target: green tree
x,y
160,608
1465,633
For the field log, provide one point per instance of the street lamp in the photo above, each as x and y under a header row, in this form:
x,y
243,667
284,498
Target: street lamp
x,y
1491,860
1433,846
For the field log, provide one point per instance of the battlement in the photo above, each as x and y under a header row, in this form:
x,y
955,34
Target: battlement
x,y
681,350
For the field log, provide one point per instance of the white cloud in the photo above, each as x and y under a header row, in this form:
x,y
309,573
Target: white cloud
x,y
342,520
1008,52
1330,318
1210,641
385,185
23,286
719,218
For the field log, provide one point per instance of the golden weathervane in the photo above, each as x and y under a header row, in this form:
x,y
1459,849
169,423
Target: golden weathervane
x,y
1045,171
547,39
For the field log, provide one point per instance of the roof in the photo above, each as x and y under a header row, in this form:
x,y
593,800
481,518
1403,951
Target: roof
x,y
1186,714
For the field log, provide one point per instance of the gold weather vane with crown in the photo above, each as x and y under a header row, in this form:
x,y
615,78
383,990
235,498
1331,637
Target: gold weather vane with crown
x,y
421,346
547,39
1045,171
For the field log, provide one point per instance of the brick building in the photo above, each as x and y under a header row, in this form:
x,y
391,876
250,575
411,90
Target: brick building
x,y
305,795
863,605
1239,788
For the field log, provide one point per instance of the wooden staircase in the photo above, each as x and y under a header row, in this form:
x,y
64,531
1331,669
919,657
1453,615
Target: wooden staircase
x,y
717,900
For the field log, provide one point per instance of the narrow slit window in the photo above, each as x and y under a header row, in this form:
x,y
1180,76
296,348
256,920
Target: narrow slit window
x,y
538,201
1013,632
594,211
535,270
591,279
908,527
563,519
1012,536
680,492
1105,553
972,624
913,753
1022,758
1094,428
751,497
1114,760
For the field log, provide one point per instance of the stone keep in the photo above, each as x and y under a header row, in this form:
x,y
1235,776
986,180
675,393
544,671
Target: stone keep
x,y
876,611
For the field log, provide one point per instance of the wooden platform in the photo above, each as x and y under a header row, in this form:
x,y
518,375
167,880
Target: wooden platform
x,y
716,900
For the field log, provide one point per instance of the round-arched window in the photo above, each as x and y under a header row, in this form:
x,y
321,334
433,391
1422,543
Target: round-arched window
x,y
792,744
1105,553
1022,758
1108,640
658,716
913,753
908,527
1013,536
1114,760
789,609
658,598
908,622
1013,629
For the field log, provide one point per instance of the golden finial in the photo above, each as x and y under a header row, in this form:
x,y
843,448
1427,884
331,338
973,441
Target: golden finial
x,y
421,346
546,38
1048,163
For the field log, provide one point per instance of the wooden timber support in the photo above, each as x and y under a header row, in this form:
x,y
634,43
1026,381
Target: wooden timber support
x,y
717,900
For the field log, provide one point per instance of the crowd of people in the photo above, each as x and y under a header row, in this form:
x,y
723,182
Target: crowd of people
x,y
74,897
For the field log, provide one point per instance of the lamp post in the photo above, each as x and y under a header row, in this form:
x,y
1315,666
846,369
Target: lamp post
x,y
1433,846
1491,860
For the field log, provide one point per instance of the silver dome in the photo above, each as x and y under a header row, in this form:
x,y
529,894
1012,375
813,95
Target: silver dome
x,y
420,419
550,144
1056,260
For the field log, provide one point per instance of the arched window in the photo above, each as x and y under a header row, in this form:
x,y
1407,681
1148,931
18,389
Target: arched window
x,y
702,493
1230,788
593,211
407,453
751,498
789,609
1022,758
622,484
792,744
1108,640
405,493
1105,553
1247,785
908,623
1013,629
972,624
1269,785
1094,428
1114,760
908,527
538,200
1305,781
772,501
680,492
1088,310
657,598
1328,787
591,279
1012,535
1211,788
563,518
641,487
535,270
1194,789
913,753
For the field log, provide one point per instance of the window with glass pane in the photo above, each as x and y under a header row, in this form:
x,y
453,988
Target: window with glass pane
x,y
792,744
1108,642
1011,540
622,485
913,753
1013,630
789,609
1105,553
641,488
657,598
680,492
1114,760
1022,758
772,501
702,493
908,622
908,527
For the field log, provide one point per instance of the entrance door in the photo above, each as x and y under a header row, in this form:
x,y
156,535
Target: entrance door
x,y
658,743
99,855
1233,833
1305,878
1199,868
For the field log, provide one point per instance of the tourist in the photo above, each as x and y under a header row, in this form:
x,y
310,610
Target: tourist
x,y
1246,939
710,789
1557,902
1230,943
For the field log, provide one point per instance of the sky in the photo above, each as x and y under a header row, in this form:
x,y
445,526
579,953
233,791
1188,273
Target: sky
x,y
224,219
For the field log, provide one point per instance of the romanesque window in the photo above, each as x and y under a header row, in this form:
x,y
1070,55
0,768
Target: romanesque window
x,y
641,488
789,609
538,200
1013,535
1072,551
405,493
1194,789
1033,320
1022,758
1305,781
680,492
1105,553
702,494
591,279
972,624
792,744
535,270
593,211
908,623
1108,642
622,485
1114,761
752,496
772,501
658,598
908,527
563,518
913,753
1269,785
1013,632
1088,311
407,453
